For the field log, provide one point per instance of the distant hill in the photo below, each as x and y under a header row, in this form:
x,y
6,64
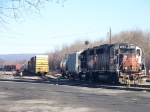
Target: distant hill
x,y
14,57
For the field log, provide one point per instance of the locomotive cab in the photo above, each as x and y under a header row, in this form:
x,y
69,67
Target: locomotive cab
x,y
127,59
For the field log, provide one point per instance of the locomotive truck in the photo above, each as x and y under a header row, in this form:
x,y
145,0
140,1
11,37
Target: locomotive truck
x,y
118,62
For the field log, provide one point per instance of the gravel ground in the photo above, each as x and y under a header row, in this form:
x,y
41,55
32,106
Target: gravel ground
x,y
46,97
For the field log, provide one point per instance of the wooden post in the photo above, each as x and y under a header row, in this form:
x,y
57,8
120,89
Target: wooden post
x,y
110,35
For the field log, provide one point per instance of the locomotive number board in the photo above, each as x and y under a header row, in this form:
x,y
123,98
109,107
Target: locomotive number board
x,y
125,47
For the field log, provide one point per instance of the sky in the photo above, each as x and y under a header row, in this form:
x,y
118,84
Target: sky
x,y
59,25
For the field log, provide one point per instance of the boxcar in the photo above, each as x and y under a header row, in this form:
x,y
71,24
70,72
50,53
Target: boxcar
x,y
39,64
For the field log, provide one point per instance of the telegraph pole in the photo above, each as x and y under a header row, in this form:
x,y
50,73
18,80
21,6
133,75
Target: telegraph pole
x,y
110,35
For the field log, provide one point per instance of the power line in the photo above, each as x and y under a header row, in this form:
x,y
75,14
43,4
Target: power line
x,y
26,44
56,36
27,38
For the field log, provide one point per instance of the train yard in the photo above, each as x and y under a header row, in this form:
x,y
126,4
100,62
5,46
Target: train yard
x,y
90,75
45,93
52,79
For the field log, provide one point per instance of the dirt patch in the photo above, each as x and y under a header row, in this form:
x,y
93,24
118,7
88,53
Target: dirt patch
x,y
39,105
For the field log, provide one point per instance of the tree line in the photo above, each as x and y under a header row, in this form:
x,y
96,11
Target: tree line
x,y
135,36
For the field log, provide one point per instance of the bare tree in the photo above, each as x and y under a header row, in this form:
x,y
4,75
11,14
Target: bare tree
x,y
18,9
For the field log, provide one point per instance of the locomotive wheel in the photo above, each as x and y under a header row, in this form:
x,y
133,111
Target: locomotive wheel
x,y
109,78
115,78
95,77
87,77
74,76
90,78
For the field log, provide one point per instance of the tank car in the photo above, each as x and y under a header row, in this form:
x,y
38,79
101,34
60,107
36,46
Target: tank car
x,y
70,66
119,62
64,67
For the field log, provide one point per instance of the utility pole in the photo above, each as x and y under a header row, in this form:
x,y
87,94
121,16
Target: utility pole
x,y
110,35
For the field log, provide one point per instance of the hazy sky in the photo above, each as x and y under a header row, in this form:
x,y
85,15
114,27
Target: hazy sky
x,y
78,19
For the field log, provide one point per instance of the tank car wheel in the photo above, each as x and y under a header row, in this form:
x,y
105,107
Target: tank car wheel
x,y
86,77
69,76
63,75
74,76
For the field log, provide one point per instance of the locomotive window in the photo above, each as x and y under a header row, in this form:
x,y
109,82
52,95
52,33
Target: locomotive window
x,y
143,67
99,51
131,51
92,52
127,51
116,51
138,52
112,53
79,57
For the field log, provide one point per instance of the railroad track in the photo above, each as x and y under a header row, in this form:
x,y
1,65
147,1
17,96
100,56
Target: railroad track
x,y
78,83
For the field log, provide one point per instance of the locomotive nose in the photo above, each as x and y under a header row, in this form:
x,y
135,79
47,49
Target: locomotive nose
x,y
131,67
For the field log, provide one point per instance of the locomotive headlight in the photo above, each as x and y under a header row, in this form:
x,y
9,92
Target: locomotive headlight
x,y
125,68
125,56
140,68
131,67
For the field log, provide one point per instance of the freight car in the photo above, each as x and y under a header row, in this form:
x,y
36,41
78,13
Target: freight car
x,y
24,66
7,67
12,67
70,66
64,67
15,67
118,62
38,64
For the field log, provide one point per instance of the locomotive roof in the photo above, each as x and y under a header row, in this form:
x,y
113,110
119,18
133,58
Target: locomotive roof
x,y
112,45
123,44
77,51
104,46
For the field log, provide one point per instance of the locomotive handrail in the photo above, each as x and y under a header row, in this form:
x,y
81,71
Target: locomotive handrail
x,y
120,65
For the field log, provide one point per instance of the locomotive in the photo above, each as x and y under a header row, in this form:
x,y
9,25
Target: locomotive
x,y
118,62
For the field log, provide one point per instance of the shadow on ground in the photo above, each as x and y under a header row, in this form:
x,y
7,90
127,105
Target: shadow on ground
x,y
55,81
